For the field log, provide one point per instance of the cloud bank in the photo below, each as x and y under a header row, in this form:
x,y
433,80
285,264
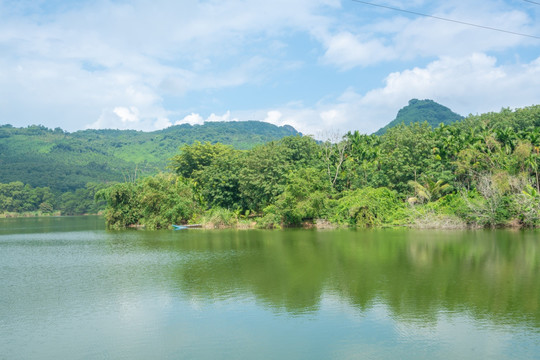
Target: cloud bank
x,y
319,65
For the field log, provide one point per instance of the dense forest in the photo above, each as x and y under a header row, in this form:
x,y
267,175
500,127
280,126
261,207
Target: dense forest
x,y
42,157
50,171
16,198
478,172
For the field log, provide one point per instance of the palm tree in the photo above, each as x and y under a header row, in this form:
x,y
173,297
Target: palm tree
x,y
431,190
507,137
531,163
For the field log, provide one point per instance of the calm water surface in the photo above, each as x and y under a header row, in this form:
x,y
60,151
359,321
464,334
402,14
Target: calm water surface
x,y
69,289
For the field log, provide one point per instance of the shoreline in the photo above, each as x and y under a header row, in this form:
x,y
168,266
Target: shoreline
x,y
32,214
320,224
252,225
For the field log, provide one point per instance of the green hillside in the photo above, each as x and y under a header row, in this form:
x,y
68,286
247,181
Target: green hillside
x,y
422,111
43,157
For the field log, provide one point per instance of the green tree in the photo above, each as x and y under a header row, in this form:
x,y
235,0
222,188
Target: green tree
x,y
306,197
124,208
194,158
155,202
430,190
367,207
219,183
362,166
266,168
407,152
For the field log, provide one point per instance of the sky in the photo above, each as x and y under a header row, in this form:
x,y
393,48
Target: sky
x,y
323,66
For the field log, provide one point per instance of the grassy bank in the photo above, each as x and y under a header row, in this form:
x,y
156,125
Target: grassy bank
x,y
29,214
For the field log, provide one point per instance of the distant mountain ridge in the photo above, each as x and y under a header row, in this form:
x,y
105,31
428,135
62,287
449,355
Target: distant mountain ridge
x,y
422,111
63,161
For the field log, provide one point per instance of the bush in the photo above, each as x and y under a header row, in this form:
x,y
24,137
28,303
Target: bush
x,y
271,218
217,218
527,207
441,214
155,202
305,199
368,207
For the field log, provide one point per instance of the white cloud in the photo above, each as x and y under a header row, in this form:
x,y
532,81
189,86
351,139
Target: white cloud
x,y
389,35
191,119
316,121
274,117
467,85
127,115
347,51
470,84
331,117
120,117
87,58
224,117
197,119
130,64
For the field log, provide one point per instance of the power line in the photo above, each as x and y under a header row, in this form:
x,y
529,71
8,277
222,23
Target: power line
x,y
532,2
445,19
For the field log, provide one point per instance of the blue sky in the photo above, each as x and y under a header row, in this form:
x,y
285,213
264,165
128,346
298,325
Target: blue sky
x,y
322,66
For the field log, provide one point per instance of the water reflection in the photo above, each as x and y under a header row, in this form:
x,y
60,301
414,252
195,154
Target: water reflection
x,y
488,274
268,294
49,224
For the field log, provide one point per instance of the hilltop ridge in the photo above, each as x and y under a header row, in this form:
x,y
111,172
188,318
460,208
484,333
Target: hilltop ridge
x,y
63,161
422,111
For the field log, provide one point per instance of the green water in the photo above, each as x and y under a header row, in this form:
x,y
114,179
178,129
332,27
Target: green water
x,y
69,289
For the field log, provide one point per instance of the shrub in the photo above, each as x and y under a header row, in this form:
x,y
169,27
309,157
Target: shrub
x,y
368,207
305,198
216,218
271,218
155,202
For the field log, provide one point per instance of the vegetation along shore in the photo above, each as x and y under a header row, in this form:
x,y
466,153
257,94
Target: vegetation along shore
x,y
479,171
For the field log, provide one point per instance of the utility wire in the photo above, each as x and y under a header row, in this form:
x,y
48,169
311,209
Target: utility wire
x,y
532,2
445,19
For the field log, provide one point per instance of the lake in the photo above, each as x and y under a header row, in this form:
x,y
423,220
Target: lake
x,y
69,289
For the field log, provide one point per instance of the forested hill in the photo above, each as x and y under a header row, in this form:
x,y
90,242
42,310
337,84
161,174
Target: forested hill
x,y
63,161
422,111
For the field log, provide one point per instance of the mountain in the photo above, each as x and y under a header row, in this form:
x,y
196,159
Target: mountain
x,y
63,161
420,111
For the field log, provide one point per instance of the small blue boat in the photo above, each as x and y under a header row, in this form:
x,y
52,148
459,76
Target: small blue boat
x,y
183,227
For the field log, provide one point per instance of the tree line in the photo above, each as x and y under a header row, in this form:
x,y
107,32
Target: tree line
x,y
66,162
18,198
478,172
